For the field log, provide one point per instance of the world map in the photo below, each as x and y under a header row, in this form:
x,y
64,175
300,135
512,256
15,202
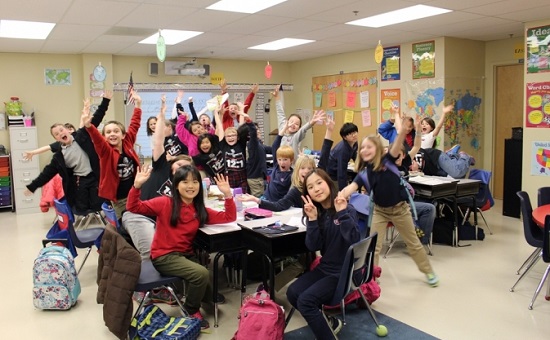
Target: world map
x,y
57,76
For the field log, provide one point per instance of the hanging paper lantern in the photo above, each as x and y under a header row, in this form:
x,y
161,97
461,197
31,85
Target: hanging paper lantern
x,y
268,70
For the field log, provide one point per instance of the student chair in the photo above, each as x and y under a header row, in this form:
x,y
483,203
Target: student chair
x,y
543,196
357,269
533,235
545,258
110,215
483,199
80,238
150,279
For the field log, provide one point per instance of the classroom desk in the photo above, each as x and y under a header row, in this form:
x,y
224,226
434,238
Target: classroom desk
x,y
274,245
539,214
435,188
218,239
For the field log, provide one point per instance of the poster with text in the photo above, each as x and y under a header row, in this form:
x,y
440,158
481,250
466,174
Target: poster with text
x,y
423,60
538,54
540,158
537,112
390,65
389,97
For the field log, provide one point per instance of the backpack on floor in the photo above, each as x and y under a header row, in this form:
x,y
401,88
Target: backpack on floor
x,y
55,281
153,323
260,318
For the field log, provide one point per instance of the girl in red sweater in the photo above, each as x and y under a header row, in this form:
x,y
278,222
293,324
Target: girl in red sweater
x,y
178,219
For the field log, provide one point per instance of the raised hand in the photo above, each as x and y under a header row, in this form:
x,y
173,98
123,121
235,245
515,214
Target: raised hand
x,y
329,122
86,117
27,155
448,108
223,86
340,202
142,176
137,98
309,208
317,117
223,185
179,96
108,94
254,89
275,93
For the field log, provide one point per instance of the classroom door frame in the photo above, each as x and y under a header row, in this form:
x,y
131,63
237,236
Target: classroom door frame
x,y
508,113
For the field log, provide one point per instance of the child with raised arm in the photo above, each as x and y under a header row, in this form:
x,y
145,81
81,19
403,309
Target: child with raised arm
x,y
331,229
294,131
77,162
178,219
117,158
390,128
230,116
97,118
390,199
302,167
430,130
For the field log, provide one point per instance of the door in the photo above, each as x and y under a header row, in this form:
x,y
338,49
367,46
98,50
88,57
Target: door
x,y
508,114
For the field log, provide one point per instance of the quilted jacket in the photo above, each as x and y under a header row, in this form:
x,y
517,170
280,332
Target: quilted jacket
x,y
118,272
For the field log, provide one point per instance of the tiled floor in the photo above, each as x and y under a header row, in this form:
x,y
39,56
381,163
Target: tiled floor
x,y
472,302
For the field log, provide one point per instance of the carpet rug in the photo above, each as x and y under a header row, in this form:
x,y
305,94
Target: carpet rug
x,y
359,325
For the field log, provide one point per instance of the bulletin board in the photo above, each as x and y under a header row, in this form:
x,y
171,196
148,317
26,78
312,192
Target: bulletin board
x,y
348,97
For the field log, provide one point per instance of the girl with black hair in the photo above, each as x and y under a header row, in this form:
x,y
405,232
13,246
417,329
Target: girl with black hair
x,y
210,156
332,229
178,219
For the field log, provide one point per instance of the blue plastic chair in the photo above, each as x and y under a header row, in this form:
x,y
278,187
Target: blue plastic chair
x,y
83,239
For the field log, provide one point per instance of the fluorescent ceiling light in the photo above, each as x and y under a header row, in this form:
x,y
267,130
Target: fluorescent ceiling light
x,y
171,37
25,29
399,16
244,6
280,44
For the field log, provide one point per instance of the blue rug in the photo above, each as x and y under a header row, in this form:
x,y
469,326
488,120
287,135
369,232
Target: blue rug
x,y
359,325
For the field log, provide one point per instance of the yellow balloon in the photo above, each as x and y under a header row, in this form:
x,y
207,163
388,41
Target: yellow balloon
x,y
535,101
378,53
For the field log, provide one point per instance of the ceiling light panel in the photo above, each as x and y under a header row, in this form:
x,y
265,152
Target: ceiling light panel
x,y
171,37
281,44
25,29
244,6
399,16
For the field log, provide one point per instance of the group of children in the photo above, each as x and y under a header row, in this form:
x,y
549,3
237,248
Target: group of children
x,y
162,206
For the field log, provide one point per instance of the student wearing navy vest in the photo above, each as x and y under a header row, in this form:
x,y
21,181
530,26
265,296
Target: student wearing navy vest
x,y
342,153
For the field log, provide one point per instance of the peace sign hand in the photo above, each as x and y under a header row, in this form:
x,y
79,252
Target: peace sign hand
x,y
309,208
340,202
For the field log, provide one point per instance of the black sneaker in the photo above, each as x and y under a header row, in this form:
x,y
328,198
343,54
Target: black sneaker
x,y
220,299
335,324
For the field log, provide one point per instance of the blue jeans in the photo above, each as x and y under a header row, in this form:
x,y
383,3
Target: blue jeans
x,y
307,294
454,165
426,217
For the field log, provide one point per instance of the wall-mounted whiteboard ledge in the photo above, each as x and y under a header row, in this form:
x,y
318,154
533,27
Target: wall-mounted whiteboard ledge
x,y
196,86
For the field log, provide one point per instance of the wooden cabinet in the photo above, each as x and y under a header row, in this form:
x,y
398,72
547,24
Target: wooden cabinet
x,y
6,180
24,171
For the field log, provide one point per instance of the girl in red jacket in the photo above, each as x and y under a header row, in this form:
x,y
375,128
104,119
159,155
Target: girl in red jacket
x,y
178,219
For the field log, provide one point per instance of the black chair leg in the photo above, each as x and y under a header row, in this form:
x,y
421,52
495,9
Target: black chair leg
x,y
289,316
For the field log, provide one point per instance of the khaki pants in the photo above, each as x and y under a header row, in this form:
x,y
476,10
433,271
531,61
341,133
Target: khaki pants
x,y
256,186
119,207
197,277
400,216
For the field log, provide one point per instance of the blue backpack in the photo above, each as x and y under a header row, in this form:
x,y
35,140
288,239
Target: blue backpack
x,y
56,284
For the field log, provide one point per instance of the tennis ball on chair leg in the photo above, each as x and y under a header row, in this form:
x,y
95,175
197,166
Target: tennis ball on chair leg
x,y
381,330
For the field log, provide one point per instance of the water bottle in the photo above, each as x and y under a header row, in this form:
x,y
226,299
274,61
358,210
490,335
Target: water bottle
x,y
205,189
237,192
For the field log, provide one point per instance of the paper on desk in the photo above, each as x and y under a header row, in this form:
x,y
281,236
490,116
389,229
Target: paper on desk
x,y
297,222
220,228
427,180
289,212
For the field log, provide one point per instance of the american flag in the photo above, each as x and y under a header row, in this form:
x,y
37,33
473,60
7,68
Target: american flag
x,y
129,96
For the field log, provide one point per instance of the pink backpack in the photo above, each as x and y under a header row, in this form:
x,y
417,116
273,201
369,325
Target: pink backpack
x,y
260,318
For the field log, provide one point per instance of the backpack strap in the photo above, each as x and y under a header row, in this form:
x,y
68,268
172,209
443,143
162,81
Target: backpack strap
x,y
410,190
365,177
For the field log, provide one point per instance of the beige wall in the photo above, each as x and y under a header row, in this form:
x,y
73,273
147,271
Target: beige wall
x,y
23,76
